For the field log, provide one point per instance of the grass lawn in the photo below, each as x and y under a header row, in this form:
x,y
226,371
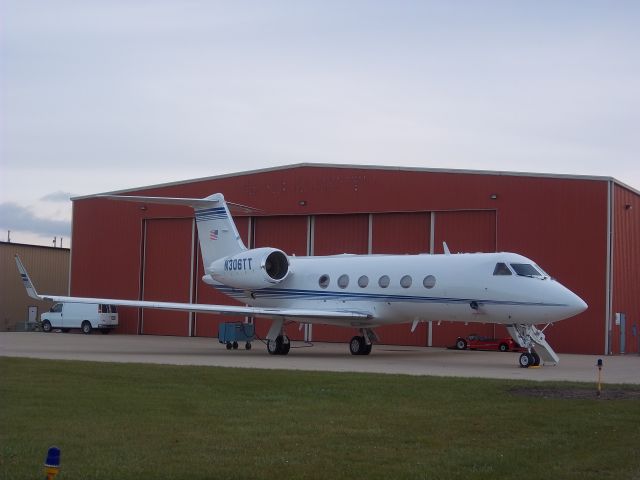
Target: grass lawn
x,y
130,421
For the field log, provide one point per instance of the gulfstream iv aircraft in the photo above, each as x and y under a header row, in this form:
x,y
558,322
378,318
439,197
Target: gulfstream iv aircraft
x,y
363,291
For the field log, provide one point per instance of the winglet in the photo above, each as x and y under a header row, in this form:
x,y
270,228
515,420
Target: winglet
x,y
26,280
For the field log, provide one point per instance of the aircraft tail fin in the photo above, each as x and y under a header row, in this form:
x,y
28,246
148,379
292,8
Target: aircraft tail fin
x,y
217,233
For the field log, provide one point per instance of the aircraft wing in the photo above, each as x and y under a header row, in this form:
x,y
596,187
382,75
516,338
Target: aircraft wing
x,y
282,313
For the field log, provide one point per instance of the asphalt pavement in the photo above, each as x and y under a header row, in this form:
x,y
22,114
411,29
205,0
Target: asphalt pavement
x,y
334,357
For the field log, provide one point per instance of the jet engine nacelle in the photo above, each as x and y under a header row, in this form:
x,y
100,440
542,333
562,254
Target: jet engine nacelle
x,y
252,269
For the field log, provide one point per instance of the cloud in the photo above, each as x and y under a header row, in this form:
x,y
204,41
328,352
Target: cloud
x,y
17,217
58,196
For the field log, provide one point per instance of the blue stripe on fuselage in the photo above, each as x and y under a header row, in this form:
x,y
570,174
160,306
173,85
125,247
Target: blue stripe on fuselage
x,y
297,294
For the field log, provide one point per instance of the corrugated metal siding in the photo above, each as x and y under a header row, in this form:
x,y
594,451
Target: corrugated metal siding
x,y
49,270
626,268
289,234
465,231
401,233
167,273
336,234
106,257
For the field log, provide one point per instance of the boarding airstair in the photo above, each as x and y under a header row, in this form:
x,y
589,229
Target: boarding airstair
x,y
530,337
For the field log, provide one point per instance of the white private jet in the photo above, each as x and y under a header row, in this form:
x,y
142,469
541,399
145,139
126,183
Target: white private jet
x,y
363,291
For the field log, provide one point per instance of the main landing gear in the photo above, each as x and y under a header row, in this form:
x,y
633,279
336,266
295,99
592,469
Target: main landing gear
x,y
362,344
279,346
279,343
358,346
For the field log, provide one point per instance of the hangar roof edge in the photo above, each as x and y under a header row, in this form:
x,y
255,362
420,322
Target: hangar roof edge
x,y
368,167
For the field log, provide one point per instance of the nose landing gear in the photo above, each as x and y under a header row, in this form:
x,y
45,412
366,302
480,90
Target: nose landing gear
x,y
538,350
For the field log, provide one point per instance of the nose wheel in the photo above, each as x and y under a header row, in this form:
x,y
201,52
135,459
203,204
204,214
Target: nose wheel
x,y
529,359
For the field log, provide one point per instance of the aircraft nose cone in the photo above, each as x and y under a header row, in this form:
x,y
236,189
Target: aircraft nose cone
x,y
576,304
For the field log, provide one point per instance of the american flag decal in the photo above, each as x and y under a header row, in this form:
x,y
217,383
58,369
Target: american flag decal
x,y
213,234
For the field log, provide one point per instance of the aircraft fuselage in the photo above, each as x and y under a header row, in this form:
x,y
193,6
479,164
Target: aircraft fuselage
x,y
403,288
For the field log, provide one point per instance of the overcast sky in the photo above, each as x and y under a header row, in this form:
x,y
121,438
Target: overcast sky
x,y
100,95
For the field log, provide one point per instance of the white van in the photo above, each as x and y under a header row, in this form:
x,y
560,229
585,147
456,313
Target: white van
x,y
85,316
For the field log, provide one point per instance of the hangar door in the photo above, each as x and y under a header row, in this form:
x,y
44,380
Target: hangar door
x,y
167,257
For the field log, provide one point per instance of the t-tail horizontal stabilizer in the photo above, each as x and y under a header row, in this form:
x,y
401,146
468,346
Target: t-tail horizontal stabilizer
x,y
217,233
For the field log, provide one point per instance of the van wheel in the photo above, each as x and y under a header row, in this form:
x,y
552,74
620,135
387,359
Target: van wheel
x,y
86,327
46,326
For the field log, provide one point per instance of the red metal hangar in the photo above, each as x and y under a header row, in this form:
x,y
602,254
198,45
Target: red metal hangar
x,y
585,231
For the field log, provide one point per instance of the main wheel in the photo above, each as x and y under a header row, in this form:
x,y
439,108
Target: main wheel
x,y
367,349
526,360
503,347
355,345
272,347
86,327
46,326
461,344
536,359
279,346
286,345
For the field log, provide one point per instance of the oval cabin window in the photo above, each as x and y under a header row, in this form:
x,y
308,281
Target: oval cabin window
x,y
429,281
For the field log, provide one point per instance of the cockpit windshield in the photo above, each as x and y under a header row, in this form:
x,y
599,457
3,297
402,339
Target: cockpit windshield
x,y
526,270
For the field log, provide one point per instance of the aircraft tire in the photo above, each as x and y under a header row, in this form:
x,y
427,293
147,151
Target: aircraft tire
x,y
526,360
86,327
355,345
285,346
46,326
279,346
536,359
272,347
367,349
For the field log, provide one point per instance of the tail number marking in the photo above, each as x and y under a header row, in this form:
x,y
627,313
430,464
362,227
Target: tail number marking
x,y
237,264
